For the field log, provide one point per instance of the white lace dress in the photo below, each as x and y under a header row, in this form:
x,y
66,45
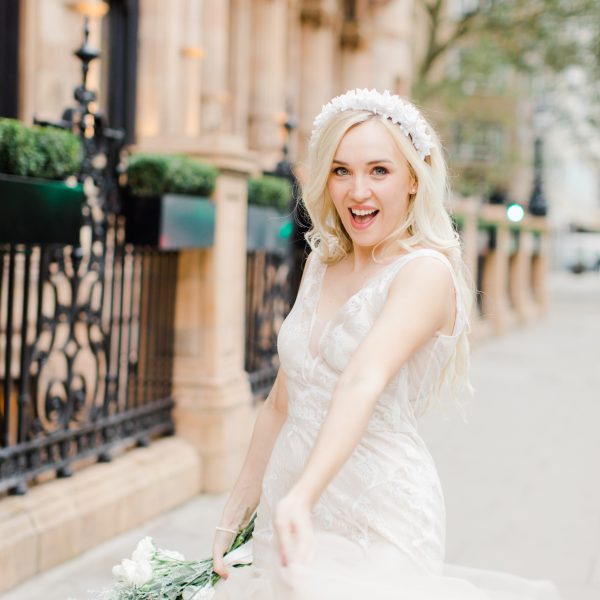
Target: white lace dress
x,y
380,524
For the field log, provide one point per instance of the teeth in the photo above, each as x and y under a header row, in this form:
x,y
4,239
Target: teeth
x,y
362,213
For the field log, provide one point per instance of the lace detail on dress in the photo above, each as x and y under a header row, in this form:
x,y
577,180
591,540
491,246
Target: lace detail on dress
x,y
388,492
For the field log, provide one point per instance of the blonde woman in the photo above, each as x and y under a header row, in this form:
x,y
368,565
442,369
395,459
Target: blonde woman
x,y
347,495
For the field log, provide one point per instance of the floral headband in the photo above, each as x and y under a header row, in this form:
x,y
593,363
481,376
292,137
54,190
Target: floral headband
x,y
387,105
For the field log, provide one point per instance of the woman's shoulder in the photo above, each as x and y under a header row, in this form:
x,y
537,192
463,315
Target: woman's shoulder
x,y
425,268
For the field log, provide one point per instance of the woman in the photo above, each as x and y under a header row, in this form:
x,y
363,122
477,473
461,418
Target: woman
x,y
349,501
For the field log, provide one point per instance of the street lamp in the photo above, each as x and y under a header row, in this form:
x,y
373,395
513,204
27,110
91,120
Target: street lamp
x,y
538,206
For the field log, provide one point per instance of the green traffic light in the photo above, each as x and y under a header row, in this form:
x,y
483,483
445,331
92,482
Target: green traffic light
x,y
515,212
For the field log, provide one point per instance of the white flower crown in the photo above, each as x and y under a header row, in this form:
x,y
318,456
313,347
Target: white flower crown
x,y
387,105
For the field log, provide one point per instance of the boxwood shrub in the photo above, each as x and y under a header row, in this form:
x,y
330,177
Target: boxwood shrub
x,y
271,191
157,174
45,152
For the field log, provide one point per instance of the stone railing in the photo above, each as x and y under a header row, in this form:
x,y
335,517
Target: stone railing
x,y
509,263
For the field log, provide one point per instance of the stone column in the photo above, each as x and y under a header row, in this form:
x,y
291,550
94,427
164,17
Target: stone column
x,y
48,71
356,42
152,52
268,68
240,65
171,85
319,82
540,264
216,99
392,47
193,54
466,210
495,275
213,400
520,278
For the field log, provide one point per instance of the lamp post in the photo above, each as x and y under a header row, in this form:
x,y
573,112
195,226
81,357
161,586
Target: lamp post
x,y
538,206
537,201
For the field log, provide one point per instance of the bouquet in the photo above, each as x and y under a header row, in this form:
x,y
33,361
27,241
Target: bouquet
x,y
156,574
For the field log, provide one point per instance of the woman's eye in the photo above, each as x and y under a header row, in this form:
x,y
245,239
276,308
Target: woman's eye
x,y
380,170
340,171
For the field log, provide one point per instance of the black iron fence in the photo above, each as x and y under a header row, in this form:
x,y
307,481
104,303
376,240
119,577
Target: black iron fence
x,y
86,352
268,301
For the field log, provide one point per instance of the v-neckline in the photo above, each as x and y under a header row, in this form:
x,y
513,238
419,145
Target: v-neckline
x,y
340,310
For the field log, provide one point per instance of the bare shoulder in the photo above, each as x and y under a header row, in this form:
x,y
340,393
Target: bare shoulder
x,y
424,273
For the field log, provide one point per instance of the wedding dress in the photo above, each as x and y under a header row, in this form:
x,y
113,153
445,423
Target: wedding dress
x,y
380,524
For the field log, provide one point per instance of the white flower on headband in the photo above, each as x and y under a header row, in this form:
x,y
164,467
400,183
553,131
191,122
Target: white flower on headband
x,y
387,105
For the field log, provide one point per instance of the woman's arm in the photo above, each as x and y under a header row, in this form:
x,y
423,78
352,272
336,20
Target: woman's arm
x,y
245,495
418,304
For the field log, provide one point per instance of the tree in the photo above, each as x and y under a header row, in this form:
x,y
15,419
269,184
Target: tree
x,y
466,72
525,34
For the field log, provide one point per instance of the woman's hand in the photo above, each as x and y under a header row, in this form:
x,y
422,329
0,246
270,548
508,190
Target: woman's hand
x,y
293,526
221,543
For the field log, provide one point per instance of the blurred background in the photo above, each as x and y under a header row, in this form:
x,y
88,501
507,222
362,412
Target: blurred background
x,y
151,245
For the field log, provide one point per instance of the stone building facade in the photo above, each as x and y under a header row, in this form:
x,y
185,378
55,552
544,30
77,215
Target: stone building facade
x,y
225,71
216,80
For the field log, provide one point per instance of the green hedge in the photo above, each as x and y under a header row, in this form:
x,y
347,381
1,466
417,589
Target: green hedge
x,y
157,174
274,192
44,152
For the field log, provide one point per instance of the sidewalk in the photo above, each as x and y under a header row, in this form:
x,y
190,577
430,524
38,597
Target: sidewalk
x,y
521,479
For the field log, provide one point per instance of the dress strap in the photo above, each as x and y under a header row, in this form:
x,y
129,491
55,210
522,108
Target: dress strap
x,y
314,269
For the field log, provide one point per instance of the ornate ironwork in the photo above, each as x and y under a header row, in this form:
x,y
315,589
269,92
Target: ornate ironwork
x,y
268,301
88,330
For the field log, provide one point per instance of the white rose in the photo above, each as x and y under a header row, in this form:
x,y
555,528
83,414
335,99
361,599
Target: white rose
x,y
133,572
145,550
172,554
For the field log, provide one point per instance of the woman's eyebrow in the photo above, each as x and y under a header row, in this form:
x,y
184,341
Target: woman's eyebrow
x,y
371,162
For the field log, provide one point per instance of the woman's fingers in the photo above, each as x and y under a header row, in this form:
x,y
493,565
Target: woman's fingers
x,y
221,544
284,537
219,567
295,541
218,564
294,529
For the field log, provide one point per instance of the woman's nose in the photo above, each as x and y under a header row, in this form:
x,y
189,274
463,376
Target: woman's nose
x,y
360,189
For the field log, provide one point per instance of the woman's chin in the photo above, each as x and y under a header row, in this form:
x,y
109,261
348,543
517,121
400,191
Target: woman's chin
x,y
365,241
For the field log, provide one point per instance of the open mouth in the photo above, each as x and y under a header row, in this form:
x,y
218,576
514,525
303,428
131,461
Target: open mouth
x,y
362,218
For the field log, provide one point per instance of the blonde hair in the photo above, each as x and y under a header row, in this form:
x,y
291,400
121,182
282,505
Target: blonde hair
x,y
428,224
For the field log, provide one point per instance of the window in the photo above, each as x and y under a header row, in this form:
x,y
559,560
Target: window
x,y
9,58
123,19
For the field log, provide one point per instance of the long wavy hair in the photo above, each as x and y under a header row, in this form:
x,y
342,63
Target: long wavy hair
x,y
427,224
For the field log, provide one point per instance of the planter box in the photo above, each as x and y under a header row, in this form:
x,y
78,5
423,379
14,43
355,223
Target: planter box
x,y
169,222
39,211
268,229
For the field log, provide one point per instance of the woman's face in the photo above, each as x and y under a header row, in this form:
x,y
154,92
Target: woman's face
x,y
369,183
